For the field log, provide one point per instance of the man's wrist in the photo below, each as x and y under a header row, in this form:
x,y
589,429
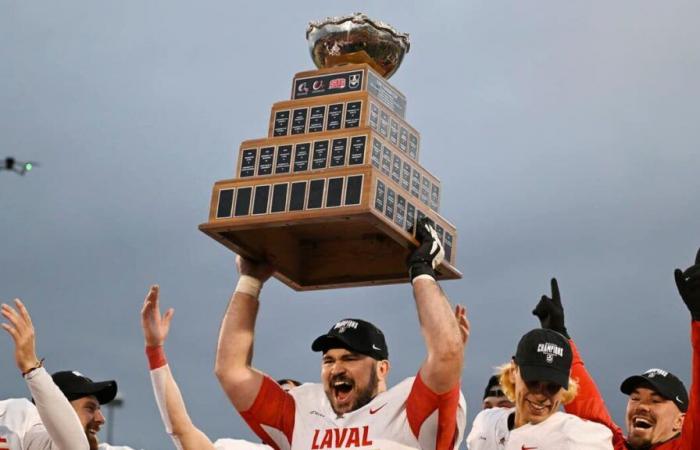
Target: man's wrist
x,y
249,285
156,356
26,369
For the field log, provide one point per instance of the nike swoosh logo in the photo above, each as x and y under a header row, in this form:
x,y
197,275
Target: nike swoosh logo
x,y
374,411
528,448
679,400
376,348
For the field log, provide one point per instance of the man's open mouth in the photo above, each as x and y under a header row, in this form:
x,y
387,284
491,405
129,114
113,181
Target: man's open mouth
x,y
342,390
642,423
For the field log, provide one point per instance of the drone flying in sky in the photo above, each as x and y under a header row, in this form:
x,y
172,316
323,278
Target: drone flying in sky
x,y
19,167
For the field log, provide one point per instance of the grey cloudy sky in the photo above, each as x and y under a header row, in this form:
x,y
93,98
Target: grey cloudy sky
x,y
565,135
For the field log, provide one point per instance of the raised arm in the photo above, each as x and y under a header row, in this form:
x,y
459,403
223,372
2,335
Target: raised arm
x,y
234,353
589,403
688,283
445,338
172,408
61,427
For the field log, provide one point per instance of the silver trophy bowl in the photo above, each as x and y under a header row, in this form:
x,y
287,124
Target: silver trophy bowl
x,y
357,39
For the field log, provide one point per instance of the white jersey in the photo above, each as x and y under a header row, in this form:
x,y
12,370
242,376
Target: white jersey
x,y
238,444
17,416
104,446
560,431
409,415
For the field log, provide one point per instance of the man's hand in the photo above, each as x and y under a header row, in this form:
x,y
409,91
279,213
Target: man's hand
x,y
22,331
155,326
551,312
429,253
259,270
462,322
688,283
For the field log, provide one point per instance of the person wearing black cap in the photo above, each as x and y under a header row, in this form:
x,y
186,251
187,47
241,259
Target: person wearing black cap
x,y
494,397
660,414
538,381
352,407
53,413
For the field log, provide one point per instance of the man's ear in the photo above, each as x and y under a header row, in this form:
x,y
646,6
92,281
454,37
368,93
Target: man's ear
x,y
383,368
678,422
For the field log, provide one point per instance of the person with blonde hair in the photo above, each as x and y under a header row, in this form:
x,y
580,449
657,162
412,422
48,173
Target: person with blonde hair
x,y
537,380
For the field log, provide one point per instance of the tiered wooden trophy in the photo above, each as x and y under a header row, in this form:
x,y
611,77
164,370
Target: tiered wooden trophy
x,y
332,195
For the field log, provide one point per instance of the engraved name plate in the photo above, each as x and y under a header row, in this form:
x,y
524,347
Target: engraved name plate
x,y
379,196
415,184
353,190
320,158
406,177
267,155
410,217
403,140
281,123
338,152
376,153
299,121
396,169
390,201
248,160
316,119
384,124
386,161
400,210
412,146
357,150
394,132
301,157
352,114
335,116
284,157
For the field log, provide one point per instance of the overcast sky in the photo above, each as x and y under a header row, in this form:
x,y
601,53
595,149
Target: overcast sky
x,y
565,135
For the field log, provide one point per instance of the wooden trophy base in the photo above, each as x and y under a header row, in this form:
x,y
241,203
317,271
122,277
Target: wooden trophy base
x,y
353,244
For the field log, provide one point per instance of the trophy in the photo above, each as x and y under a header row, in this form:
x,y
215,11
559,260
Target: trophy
x,y
332,195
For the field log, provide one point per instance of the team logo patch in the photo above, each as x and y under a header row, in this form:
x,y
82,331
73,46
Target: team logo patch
x,y
354,80
550,351
344,325
651,373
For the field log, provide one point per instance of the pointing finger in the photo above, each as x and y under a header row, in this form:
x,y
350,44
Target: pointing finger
x,y
555,291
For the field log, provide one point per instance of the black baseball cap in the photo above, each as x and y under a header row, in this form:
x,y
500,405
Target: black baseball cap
x,y
544,355
75,385
493,388
355,335
662,381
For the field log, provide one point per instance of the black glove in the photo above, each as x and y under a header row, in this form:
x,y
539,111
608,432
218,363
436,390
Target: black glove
x,y
551,312
429,253
688,283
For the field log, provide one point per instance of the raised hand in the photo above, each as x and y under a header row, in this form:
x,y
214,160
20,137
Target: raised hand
x,y
551,312
258,270
429,253
688,283
462,322
155,326
21,329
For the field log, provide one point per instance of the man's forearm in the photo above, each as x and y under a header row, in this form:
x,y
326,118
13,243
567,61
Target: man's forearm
x,y
442,368
172,407
235,351
57,414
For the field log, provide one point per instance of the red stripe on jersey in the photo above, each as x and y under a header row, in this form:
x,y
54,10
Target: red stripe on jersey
x,y
274,408
422,402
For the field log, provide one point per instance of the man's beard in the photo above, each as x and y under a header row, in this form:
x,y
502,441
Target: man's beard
x,y
367,395
638,444
363,397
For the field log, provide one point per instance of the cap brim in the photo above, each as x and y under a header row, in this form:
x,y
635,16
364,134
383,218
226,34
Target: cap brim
x,y
630,384
325,342
542,373
104,391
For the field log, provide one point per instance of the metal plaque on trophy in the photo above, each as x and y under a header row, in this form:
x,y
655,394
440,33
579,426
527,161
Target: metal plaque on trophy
x,y
331,196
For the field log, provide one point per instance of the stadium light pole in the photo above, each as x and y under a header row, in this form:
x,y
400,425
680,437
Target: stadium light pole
x,y
118,402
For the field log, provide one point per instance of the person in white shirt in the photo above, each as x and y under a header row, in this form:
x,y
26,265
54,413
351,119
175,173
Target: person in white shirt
x,y
538,381
19,418
352,407
184,434
67,403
